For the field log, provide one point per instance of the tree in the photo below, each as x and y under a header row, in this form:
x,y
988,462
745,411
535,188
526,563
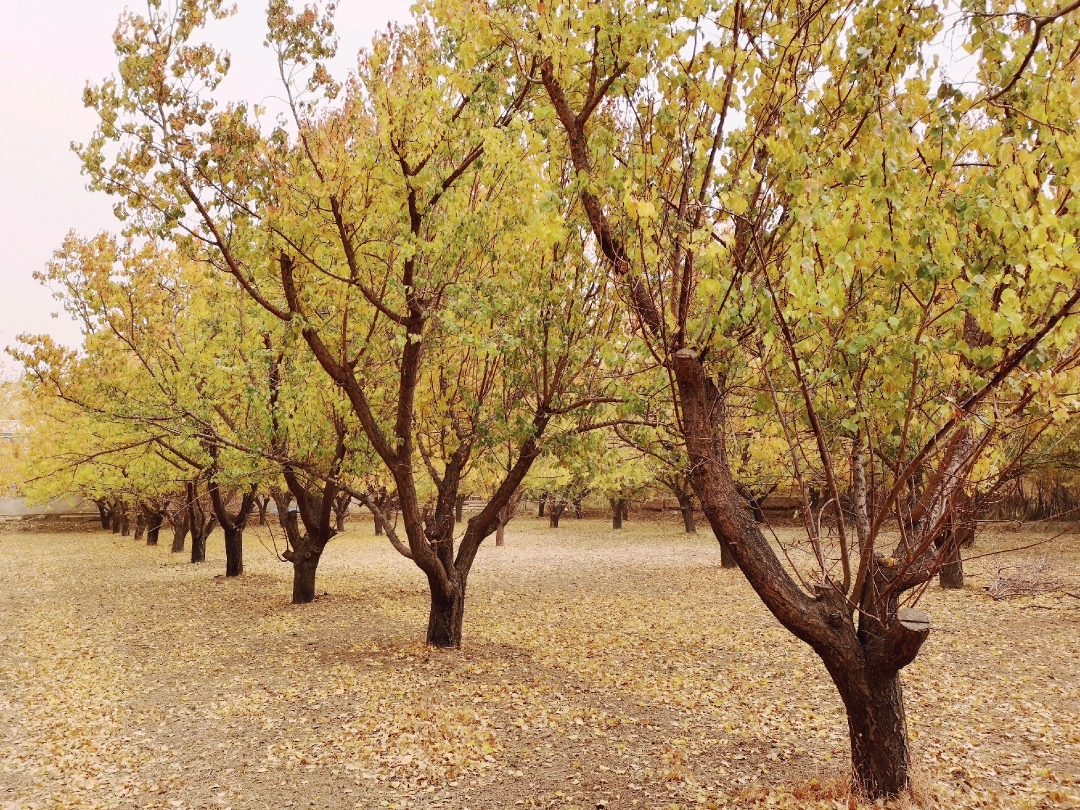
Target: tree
x,y
795,191
406,233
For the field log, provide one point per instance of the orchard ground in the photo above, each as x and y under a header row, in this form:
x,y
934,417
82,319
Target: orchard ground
x,y
600,669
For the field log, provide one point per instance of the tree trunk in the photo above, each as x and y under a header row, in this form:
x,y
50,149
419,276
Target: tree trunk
x,y
198,546
180,531
153,527
140,523
262,504
303,584
543,503
459,508
878,732
951,575
555,513
103,513
500,534
378,525
616,513
579,513
625,509
125,523
114,519
686,507
727,559
445,619
234,551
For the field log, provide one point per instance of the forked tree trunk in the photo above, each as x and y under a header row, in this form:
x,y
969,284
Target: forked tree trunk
x,y
951,575
262,504
446,617
617,506
554,513
234,551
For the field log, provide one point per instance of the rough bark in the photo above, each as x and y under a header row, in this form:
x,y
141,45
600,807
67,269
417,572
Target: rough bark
x,y
446,617
304,569
877,731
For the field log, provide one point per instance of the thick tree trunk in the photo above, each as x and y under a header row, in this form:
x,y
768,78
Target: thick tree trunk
x,y
543,503
446,617
951,575
878,732
114,519
616,513
153,529
140,523
125,523
303,585
180,530
554,513
234,551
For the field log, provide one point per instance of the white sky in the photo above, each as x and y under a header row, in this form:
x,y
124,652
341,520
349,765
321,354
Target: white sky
x,y
49,49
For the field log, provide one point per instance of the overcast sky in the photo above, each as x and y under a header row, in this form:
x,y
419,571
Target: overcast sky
x,y
49,49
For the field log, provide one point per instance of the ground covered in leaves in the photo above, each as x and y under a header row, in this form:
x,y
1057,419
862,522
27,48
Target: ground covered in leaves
x,y
600,669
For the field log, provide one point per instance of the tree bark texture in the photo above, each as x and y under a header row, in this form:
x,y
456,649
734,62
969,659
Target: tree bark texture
x,y
304,569
103,513
234,551
446,617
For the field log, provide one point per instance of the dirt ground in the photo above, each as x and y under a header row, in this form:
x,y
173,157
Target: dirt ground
x,y
600,669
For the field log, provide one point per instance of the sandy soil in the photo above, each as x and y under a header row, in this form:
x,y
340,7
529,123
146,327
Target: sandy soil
x,y
600,669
